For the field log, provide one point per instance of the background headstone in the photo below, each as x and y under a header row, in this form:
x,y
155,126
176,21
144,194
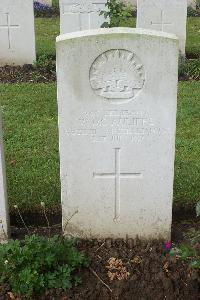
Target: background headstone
x,y
4,219
47,2
190,3
169,16
76,15
117,91
17,37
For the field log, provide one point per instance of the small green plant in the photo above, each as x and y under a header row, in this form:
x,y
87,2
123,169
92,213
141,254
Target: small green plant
x,y
37,263
191,12
46,62
187,253
191,251
118,13
44,66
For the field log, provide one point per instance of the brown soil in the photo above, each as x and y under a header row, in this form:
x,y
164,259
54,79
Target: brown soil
x,y
27,73
151,272
193,55
49,13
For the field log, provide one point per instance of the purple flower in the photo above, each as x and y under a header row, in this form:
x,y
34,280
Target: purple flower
x,y
40,7
168,245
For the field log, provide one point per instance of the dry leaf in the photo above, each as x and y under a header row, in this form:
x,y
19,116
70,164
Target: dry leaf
x,y
116,269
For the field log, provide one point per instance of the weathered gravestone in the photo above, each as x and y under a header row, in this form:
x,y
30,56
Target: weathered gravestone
x,y
4,220
190,3
76,15
117,91
17,37
47,2
169,16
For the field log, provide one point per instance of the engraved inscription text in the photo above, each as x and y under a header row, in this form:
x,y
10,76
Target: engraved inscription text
x,y
114,125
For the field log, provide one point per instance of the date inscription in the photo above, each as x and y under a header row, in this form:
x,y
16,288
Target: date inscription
x,y
114,125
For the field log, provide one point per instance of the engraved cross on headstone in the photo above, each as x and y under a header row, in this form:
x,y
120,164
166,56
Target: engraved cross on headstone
x,y
117,175
162,22
82,9
8,26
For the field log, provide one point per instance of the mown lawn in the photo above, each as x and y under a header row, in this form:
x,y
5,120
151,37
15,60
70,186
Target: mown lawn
x,y
187,166
46,31
55,3
31,143
48,28
193,36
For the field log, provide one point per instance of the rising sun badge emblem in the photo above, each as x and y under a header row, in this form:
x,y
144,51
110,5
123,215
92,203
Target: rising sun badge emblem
x,y
117,75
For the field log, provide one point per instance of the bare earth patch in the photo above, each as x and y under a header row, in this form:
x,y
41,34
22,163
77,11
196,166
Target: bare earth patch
x,y
132,270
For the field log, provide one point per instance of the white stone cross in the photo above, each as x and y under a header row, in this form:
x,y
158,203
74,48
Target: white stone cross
x,y
8,26
82,8
117,175
162,23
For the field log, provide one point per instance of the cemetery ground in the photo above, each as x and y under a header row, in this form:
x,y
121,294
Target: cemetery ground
x,y
147,269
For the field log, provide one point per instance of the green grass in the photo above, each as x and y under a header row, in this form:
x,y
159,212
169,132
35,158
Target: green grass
x,y
48,28
46,31
187,167
31,143
55,3
193,35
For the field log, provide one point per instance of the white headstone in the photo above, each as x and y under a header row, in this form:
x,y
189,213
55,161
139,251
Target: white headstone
x,y
76,15
190,3
169,16
47,2
17,38
4,219
117,91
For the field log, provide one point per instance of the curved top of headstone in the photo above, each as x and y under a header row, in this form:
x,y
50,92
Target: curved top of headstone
x,y
116,30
